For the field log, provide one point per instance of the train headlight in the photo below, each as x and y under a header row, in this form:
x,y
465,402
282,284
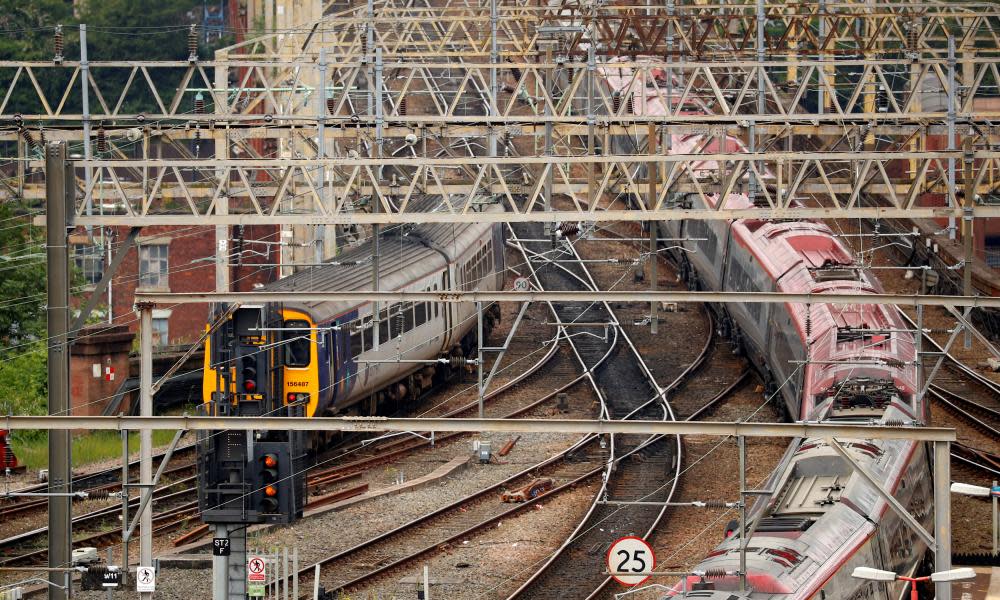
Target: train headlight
x,y
297,398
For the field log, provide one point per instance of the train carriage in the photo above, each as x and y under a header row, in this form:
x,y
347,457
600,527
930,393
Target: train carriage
x,y
343,357
820,361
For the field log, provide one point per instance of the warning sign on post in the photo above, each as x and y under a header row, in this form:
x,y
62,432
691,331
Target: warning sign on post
x,y
145,579
256,575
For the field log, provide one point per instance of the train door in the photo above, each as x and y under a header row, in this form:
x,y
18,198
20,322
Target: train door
x,y
448,309
786,356
499,256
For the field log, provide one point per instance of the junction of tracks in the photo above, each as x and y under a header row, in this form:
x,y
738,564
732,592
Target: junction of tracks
x,y
719,276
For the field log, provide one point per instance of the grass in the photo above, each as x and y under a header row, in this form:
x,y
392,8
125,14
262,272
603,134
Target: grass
x,y
88,448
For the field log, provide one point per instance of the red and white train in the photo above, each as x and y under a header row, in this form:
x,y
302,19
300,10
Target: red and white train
x,y
823,362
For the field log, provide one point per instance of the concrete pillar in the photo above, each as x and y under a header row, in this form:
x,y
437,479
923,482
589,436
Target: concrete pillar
x,y
942,515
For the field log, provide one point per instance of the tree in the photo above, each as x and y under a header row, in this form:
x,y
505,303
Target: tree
x,y
117,30
23,378
26,33
140,30
24,386
22,280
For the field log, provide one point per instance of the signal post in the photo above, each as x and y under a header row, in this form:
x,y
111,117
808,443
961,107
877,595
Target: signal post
x,y
253,476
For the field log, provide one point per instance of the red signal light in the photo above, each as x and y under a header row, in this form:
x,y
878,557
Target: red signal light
x,y
249,385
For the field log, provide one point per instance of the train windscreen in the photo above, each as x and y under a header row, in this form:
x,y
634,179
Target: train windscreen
x,y
296,342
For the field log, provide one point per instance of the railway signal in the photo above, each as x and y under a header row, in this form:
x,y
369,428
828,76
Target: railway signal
x,y
278,490
270,482
248,374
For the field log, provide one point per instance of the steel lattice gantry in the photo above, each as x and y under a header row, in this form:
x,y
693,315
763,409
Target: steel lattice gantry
x,y
463,99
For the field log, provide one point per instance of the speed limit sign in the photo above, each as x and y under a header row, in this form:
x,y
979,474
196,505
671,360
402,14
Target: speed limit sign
x,y
630,560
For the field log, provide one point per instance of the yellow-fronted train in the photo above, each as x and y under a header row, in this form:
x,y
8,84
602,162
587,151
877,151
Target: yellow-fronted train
x,y
336,357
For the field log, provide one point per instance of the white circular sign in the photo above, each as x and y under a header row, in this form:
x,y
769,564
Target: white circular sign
x,y
630,560
521,284
256,565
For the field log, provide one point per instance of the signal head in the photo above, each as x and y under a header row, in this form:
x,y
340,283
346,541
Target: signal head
x,y
249,374
269,504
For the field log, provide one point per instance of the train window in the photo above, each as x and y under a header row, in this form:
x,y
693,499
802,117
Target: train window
x,y
408,319
356,348
396,321
383,331
402,318
296,342
367,332
700,230
419,314
391,321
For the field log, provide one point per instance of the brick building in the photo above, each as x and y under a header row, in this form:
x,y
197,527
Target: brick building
x,y
174,259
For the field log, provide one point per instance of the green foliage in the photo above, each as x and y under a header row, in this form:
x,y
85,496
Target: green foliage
x,y
136,29
117,30
87,448
23,387
27,33
22,280
27,27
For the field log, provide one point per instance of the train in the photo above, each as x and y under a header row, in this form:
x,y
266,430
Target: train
x,y
821,363
341,357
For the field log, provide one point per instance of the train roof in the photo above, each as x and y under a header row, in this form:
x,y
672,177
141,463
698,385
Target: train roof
x,y
847,340
407,253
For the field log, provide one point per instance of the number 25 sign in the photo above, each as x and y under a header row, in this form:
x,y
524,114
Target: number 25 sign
x,y
630,560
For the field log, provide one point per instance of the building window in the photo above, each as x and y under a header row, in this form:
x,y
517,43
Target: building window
x,y
153,266
161,335
89,259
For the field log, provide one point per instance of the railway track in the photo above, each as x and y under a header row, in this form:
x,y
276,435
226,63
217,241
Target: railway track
x,y
970,395
363,564
975,400
101,482
400,547
981,460
380,452
102,527
377,453
972,412
628,391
